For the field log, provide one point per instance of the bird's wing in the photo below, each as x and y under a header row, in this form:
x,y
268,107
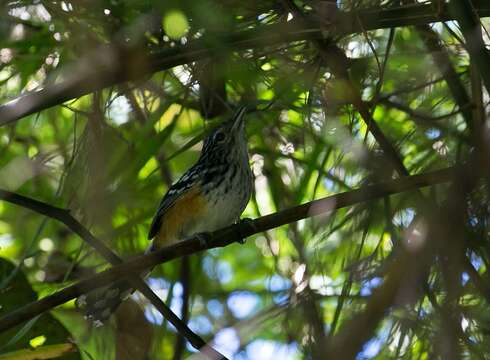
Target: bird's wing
x,y
185,183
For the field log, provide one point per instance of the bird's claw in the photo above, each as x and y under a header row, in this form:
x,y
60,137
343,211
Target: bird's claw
x,y
248,223
204,239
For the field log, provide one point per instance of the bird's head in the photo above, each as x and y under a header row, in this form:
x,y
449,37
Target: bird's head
x,y
228,139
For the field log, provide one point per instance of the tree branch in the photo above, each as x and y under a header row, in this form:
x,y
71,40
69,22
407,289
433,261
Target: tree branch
x,y
465,13
335,58
219,238
442,60
113,64
66,218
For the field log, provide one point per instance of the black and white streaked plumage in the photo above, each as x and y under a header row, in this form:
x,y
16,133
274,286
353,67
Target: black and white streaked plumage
x,y
210,195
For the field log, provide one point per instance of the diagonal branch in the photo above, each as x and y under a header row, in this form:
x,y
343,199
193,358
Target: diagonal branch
x,y
464,12
66,218
113,64
401,276
441,59
336,59
441,228
225,237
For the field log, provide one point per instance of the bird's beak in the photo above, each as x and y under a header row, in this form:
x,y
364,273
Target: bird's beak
x,y
238,118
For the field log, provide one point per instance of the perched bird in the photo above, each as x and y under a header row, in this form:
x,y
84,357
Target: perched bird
x,y
210,195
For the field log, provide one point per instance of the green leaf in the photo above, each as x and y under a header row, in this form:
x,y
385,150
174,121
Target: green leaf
x,y
15,293
41,352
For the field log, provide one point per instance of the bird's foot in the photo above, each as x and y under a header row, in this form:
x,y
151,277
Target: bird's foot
x,y
204,239
247,225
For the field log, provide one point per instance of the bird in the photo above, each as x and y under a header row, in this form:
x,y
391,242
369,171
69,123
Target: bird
x,y
210,195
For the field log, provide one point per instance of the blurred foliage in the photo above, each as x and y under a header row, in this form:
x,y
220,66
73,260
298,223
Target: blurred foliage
x,y
41,352
43,333
110,156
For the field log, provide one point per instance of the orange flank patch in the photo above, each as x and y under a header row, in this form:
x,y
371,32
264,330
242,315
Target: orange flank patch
x,y
181,217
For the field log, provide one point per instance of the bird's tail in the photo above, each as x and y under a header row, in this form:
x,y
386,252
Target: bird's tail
x,y
98,305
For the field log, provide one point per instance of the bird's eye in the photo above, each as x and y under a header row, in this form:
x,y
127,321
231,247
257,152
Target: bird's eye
x,y
220,136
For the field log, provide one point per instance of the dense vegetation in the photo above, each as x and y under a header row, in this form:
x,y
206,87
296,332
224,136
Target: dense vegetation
x,y
111,101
